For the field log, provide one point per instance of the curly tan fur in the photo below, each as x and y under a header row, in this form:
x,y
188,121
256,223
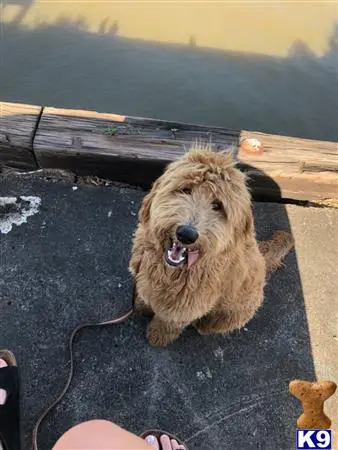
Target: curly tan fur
x,y
223,289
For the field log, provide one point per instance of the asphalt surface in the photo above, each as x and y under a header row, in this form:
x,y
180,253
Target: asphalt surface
x,y
67,264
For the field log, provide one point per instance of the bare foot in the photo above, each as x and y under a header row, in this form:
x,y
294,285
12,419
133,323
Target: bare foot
x,y
165,443
3,393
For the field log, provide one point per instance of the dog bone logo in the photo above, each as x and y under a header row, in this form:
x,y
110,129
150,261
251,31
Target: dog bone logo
x,y
312,397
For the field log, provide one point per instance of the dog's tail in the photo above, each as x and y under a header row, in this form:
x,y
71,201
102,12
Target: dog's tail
x,y
275,250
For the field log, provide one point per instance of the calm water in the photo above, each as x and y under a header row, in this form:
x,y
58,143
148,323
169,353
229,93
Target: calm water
x,y
269,67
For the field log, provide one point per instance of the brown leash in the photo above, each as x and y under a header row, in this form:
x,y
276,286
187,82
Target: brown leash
x,y
121,318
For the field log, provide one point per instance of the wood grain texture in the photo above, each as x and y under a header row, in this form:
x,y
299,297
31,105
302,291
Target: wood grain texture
x,y
88,132
17,127
136,153
136,150
303,169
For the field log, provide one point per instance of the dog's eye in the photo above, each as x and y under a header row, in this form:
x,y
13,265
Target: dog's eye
x,y
216,205
185,190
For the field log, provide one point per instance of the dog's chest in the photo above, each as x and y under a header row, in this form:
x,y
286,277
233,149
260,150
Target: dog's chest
x,y
173,290
155,281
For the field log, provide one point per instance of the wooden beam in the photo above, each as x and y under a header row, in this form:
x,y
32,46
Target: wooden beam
x,y
128,149
18,123
302,169
136,150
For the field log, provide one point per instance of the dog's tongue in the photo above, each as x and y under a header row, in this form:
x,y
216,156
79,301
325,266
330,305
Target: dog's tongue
x,y
192,258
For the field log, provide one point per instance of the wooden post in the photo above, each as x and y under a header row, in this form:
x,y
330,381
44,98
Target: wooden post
x,y
291,168
18,124
136,150
129,149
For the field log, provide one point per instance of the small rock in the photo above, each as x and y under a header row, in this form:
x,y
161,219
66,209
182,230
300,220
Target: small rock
x,y
110,213
119,285
75,188
200,375
208,373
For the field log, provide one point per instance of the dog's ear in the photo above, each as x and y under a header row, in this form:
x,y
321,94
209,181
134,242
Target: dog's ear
x,y
248,225
245,228
144,213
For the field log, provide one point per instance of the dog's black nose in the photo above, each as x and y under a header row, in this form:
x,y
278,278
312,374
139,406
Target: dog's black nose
x,y
187,234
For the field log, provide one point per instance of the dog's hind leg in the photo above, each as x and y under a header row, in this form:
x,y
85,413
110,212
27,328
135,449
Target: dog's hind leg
x,y
275,250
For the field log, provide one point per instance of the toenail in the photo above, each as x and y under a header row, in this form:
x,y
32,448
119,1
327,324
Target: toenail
x,y
150,439
3,396
3,363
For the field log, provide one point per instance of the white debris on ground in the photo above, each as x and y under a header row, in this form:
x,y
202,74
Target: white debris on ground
x,y
203,374
219,354
16,210
75,188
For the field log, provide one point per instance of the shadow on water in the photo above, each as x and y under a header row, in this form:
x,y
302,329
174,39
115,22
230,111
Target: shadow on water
x,y
214,392
23,8
65,65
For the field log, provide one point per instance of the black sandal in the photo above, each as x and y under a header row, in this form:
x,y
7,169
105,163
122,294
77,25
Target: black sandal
x,y
159,433
10,410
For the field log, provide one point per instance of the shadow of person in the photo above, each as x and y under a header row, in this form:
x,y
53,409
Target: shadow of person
x,y
23,8
292,96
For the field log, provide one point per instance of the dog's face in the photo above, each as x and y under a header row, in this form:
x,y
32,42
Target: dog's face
x,y
199,206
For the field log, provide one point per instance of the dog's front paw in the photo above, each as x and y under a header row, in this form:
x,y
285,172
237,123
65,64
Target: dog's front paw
x,y
159,334
142,308
210,325
204,328
156,337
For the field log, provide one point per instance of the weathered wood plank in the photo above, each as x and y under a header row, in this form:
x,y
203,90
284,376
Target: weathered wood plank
x,y
134,137
18,123
303,169
302,155
136,150
128,149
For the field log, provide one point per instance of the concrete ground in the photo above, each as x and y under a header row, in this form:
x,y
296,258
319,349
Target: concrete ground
x,y
67,264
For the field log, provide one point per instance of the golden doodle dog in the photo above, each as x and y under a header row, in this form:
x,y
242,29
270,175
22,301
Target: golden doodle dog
x,y
195,257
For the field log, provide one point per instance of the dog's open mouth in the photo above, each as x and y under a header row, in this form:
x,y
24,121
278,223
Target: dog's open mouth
x,y
177,255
